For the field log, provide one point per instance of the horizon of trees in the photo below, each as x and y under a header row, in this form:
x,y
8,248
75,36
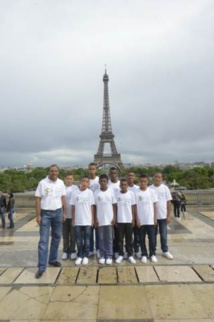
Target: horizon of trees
x,y
13,180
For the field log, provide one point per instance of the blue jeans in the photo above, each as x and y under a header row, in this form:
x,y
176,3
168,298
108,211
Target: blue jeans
x,y
2,215
150,230
92,239
82,234
106,241
10,217
53,220
162,225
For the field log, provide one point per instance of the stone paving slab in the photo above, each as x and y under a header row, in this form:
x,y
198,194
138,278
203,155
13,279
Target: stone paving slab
x,y
205,295
10,274
127,275
87,275
146,274
68,275
28,276
107,275
176,274
2,270
206,272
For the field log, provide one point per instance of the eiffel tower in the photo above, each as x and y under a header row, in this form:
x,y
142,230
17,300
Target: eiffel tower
x,y
107,137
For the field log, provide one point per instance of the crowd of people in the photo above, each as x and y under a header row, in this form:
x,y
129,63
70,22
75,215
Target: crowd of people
x,y
103,215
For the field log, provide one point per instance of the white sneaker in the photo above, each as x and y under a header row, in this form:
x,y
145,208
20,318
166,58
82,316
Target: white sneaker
x,y
109,261
78,261
119,259
125,255
73,256
64,255
132,260
98,253
102,261
138,255
154,259
85,261
91,254
167,255
144,259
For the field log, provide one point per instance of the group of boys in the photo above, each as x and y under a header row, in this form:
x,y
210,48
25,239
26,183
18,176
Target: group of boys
x,y
110,211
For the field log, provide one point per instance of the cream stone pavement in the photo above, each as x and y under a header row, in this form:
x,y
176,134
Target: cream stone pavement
x,y
179,290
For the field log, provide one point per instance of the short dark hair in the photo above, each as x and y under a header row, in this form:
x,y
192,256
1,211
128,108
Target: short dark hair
x,y
103,176
144,175
92,163
112,169
52,166
68,173
123,180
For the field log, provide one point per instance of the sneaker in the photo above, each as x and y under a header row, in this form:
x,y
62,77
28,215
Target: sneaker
x,y
119,259
154,259
144,259
73,256
138,255
64,256
85,261
102,261
78,261
132,260
167,255
98,253
55,264
91,254
39,274
109,261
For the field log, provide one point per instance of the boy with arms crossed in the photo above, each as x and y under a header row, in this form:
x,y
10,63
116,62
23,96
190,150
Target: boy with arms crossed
x,y
105,213
146,218
82,202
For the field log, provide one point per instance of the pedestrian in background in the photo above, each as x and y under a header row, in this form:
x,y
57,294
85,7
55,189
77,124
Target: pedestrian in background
x,y
11,210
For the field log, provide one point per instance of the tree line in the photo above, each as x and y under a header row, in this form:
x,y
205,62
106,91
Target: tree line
x,y
13,180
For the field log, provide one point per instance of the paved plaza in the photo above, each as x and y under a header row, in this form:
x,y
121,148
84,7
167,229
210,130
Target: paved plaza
x,y
180,290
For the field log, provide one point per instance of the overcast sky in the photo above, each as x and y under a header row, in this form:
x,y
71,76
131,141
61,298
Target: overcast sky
x,y
160,61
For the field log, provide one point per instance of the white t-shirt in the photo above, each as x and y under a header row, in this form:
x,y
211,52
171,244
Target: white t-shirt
x,y
124,206
69,191
94,184
145,206
134,188
82,200
163,195
114,185
104,201
50,193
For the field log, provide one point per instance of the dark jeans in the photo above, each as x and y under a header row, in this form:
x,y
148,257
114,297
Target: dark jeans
x,y
136,242
53,220
183,207
150,230
162,226
92,239
115,239
10,217
2,215
106,241
177,209
68,237
125,230
82,234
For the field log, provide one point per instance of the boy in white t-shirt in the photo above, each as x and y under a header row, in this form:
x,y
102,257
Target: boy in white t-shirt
x,y
163,211
82,202
125,220
146,218
105,214
93,186
67,228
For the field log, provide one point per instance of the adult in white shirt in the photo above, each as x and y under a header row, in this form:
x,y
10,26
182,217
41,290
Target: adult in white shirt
x,y
146,218
163,211
135,230
105,214
50,212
